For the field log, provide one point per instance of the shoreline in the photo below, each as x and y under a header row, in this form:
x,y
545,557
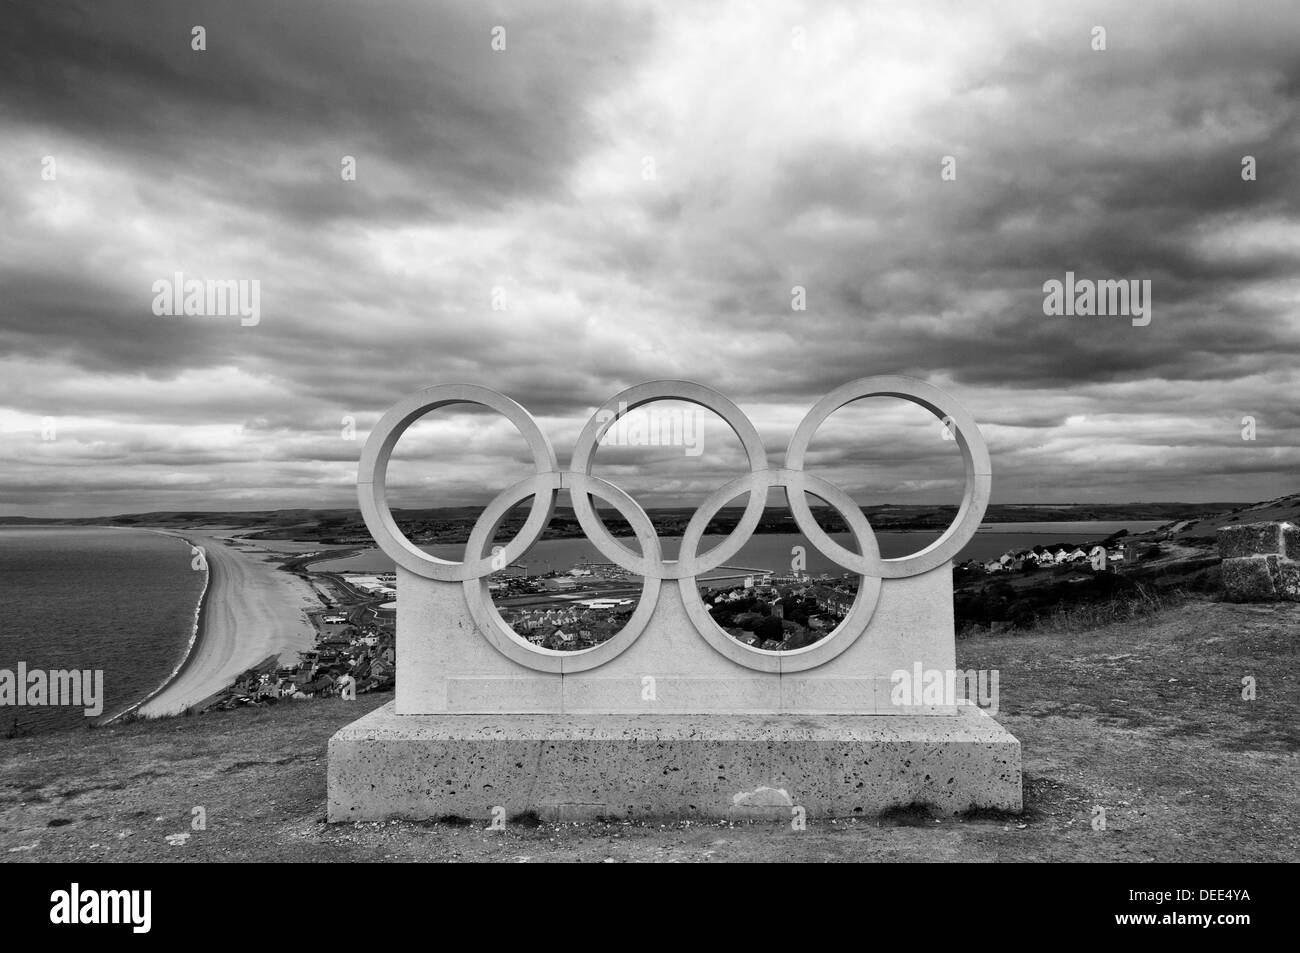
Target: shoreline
x,y
248,612
196,633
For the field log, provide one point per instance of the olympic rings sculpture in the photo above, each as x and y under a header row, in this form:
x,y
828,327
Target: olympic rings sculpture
x,y
543,487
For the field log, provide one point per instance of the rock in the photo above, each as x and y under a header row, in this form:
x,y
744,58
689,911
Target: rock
x,y
1251,539
1261,561
1251,578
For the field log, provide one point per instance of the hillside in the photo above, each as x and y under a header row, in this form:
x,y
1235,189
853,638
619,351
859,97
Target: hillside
x,y
1201,530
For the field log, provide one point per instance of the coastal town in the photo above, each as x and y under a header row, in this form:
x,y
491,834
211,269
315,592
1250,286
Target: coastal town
x,y
1096,555
355,651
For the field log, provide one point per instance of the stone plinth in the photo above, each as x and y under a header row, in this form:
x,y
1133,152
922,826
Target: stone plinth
x,y
582,767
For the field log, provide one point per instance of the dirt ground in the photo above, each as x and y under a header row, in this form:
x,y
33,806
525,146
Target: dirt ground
x,y
1146,721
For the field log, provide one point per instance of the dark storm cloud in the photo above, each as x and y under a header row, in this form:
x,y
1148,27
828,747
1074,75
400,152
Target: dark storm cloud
x,y
412,85
522,173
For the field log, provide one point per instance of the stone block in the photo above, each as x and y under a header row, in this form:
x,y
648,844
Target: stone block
x,y
1250,539
582,767
1251,578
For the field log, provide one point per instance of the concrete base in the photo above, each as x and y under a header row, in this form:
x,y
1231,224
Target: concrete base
x,y
581,767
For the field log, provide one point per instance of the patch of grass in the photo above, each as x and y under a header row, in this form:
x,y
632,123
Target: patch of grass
x,y
1144,602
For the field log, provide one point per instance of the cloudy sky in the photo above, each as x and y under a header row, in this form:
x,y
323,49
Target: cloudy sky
x,y
629,192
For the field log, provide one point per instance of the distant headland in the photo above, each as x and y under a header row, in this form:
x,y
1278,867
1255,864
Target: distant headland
x,y
344,527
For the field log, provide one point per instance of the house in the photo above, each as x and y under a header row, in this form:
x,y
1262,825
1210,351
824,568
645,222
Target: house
x,y
993,566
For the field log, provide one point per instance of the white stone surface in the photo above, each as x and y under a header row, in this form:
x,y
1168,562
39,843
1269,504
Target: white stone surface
x,y
445,667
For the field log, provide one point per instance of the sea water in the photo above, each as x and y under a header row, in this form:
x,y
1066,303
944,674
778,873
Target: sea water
x,y
120,601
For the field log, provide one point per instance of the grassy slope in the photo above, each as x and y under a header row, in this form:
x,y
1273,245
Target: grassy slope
x,y
1284,508
1144,719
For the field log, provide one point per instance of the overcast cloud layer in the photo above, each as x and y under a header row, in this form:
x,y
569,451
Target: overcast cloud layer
x,y
792,145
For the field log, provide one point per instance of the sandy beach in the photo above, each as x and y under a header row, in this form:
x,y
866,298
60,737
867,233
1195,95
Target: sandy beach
x,y
251,611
